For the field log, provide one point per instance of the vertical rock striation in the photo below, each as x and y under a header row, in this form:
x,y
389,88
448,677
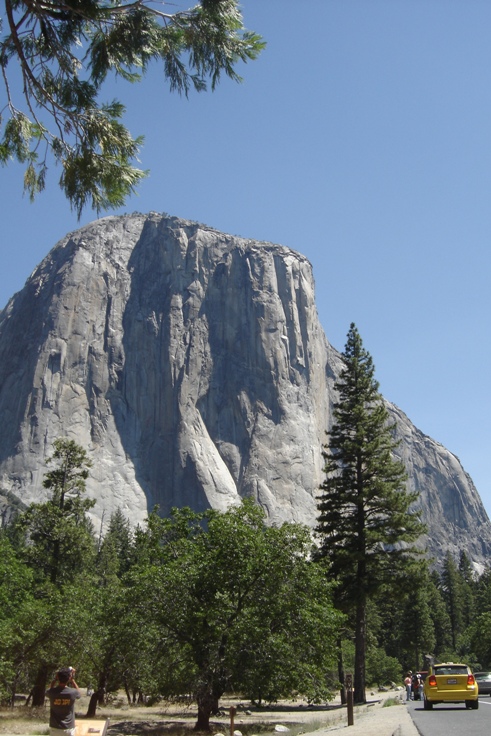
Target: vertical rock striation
x,y
192,366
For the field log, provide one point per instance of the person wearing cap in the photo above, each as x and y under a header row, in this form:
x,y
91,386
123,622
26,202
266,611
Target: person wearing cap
x,y
62,695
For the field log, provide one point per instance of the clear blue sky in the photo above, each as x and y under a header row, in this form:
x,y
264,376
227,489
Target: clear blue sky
x,y
362,138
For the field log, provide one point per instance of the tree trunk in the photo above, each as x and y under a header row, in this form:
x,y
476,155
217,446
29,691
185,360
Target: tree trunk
x,y
13,690
207,705
203,721
101,687
127,691
55,562
95,699
360,651
341,672
39,688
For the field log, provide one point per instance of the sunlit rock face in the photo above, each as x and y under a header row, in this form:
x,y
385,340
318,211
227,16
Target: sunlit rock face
x,y
192,366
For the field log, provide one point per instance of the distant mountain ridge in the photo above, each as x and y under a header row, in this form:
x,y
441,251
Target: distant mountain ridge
x,y
192,366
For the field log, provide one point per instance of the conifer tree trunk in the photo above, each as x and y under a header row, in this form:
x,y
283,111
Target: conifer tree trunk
x,y
360,652
341,672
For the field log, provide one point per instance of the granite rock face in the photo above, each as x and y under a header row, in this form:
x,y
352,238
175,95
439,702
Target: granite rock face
x,y
192,366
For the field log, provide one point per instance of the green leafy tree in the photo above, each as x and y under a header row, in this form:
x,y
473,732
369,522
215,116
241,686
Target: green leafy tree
x,y
479,634
17,604
101,638
65,51
35,631
381,668
234,605
365,525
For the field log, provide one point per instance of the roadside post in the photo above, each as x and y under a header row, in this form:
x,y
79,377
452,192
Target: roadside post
x,y
233,711
349,699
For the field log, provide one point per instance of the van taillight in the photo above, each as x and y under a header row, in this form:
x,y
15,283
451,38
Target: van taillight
x,y
432,681
471,680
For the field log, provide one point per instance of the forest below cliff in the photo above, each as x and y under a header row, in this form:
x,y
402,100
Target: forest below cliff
x,y
207,604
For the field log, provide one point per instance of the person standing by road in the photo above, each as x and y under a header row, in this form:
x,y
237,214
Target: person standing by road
x,y
407,683
62,695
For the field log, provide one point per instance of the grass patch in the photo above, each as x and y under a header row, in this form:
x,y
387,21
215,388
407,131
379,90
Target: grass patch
x,y
391,701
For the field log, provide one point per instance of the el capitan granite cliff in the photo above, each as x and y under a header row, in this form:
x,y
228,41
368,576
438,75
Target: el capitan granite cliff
x,y
192,366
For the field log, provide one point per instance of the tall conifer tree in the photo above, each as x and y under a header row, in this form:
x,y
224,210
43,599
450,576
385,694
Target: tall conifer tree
x,y
365,525
59,547
453,591
59,531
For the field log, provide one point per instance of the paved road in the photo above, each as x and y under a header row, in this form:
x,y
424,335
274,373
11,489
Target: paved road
x,y
452,719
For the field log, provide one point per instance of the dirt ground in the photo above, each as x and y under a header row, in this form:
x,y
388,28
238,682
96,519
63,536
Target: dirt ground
x,y
167,719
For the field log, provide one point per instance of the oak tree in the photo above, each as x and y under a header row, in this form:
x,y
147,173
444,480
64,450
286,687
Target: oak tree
x,y
234,605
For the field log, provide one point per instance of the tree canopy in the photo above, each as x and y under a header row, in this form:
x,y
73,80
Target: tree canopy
x,y
55,58
207,603
197,603
236,606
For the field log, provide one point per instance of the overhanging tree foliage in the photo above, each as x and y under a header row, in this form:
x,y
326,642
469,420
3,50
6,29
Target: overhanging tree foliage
x,y
64,51
364,522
